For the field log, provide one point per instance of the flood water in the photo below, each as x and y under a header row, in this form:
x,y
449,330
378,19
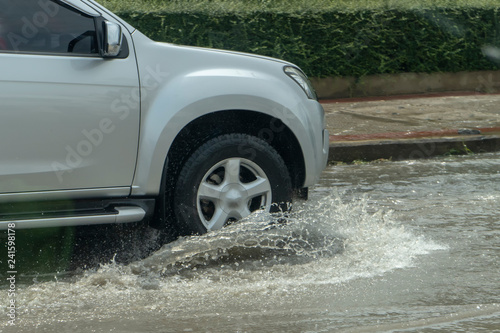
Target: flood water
x,y
389,247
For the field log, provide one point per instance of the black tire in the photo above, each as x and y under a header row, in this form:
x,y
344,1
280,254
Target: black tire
x,y
226,179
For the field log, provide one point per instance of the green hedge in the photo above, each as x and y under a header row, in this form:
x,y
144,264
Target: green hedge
x,y
336,42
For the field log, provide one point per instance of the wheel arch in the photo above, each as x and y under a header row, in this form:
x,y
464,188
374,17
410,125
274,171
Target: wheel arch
x,y
268,128
200,130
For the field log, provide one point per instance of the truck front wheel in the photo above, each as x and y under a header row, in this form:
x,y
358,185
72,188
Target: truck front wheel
x,y
228,178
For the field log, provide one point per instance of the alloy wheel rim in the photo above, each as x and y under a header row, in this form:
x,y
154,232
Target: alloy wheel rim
x,y
231,190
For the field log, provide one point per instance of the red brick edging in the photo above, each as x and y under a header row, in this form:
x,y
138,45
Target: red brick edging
x,y
407,135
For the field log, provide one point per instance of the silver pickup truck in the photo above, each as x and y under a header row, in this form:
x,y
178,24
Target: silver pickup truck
x,y
99,124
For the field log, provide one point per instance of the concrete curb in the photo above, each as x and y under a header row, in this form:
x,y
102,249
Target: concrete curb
x,y
407,149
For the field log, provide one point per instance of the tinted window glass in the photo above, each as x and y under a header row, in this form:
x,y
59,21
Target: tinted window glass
x,y
45,26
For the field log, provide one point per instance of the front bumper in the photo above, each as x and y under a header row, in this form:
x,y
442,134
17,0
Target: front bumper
x,y
316,157
326,147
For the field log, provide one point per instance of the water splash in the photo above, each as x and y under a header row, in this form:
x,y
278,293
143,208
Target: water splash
x,y
261,240
325,241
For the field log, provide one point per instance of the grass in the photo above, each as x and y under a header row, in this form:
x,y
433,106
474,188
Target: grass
x,y
284,6
460,151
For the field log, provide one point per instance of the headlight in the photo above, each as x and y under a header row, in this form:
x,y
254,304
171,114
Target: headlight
x,y
302,80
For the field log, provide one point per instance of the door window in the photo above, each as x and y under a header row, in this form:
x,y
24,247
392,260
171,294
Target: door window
x,y
45,26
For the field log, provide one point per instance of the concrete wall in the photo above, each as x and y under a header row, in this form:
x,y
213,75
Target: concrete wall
x,y
406,84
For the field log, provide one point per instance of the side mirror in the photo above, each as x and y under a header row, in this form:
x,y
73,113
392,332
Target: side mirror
x,y
112,39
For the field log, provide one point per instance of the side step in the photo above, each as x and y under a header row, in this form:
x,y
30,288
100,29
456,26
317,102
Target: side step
x,y
126,214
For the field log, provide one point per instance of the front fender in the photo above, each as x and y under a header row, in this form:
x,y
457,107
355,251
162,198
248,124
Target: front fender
x,y
162,123
195,82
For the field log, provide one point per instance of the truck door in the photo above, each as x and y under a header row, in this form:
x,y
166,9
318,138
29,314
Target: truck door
x,y
69,119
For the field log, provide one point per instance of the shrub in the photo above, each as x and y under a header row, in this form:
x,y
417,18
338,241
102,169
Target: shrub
x,y
328,37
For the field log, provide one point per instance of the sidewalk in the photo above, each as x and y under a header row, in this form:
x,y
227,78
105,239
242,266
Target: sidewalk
x,y
409,127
